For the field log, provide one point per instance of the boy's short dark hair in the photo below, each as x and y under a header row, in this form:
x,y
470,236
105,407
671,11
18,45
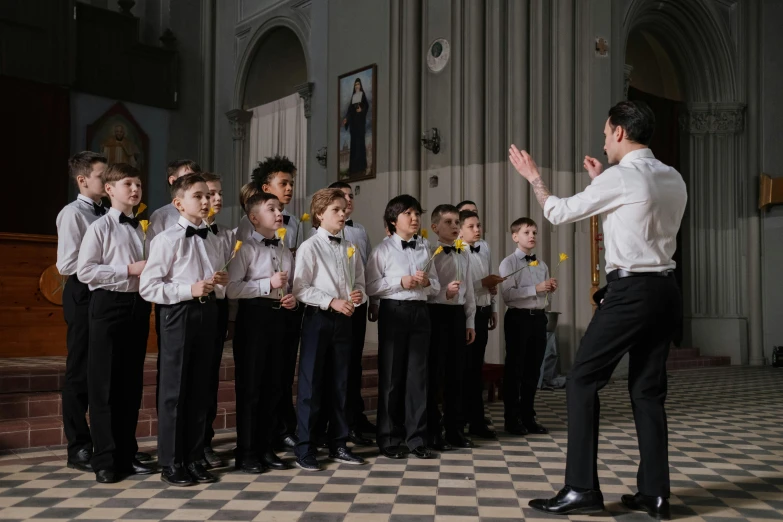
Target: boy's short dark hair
x,y
440,210
210,176
258,198
264,173
80,164
521,222
636,117
174,166
467,214
397,206
120,171
183,184
466,202
321,201
340,185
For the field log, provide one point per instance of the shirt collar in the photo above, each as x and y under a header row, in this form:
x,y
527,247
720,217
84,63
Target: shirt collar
x,y
113,212
321,231
260,237
87,200
184,223
521,255
637,154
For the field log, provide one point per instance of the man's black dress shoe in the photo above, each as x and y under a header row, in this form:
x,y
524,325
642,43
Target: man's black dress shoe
x,y
459,440
138,468
142,457
570,502
272,461
176,475
81,461
421,452
344,456
534,427
199,474
106,476
438,443
250,465
289,441
656,507
482,431
308,463
516,428
357,439
392,452
212,458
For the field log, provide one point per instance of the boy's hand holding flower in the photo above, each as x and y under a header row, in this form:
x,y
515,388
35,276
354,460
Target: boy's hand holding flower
x,y
356,297
135,269
342,306
453,289
288,302
220,278
279,280
422,278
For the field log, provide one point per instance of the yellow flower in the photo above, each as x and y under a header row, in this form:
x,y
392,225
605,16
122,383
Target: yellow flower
x,y
237,246
142,208
305,217
211,213
281,233
459,245
145,224
426,234
533,263
351,252
563,256
438,250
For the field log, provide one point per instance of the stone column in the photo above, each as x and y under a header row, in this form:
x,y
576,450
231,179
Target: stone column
x,y
239,119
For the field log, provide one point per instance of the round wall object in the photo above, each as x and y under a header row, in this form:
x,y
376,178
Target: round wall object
x,y
438,55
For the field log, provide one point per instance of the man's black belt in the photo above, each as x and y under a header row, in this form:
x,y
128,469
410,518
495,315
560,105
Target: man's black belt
x,y
621,274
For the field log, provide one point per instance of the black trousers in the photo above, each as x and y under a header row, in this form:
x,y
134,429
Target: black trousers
x,y
119,326
323,371
76,299
214,368
639,316
446,368
187,340
285,415
525,332
473,398
403,350
258,358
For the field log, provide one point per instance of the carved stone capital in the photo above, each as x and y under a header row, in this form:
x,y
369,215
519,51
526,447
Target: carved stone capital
x,y
627,70
713,118
305,91
239,119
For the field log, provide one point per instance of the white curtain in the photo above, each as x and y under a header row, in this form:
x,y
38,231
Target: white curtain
x,y
280,127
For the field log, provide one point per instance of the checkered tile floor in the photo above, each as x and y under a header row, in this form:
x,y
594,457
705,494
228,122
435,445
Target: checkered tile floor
x,y
726,458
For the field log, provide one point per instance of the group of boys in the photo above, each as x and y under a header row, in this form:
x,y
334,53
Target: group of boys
x,y
308,298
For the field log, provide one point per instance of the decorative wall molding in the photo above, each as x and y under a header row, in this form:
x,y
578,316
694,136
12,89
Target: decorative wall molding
x,y
713,118
305,91
239,120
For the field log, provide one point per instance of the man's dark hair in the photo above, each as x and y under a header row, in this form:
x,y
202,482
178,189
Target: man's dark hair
x,y
466,202
438,212
340,185
397,206
259,198
183,183
467,214
174,166
80,164
265,172
521,222
636,118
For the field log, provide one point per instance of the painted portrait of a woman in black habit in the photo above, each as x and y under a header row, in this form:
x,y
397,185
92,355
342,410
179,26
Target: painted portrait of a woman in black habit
x,y
357,148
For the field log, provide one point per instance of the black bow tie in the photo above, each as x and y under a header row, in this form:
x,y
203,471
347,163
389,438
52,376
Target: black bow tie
x,y
98,209
475,249
449,249
530,258
134,222
213,227
272,242
335,239
409,244
286,219
349,223
193,231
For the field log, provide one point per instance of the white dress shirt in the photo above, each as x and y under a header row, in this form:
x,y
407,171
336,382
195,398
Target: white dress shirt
x,y
72,223
389,263
251,271
357,235
176,262
226,241
107,249
245,229
163,218
481,265
323,271
519,291
641,202
455,267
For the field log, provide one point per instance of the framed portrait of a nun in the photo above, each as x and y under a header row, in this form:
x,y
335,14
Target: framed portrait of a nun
x,y
356,116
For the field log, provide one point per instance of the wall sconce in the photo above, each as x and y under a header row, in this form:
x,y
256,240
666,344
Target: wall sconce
x,y
431,140
320,157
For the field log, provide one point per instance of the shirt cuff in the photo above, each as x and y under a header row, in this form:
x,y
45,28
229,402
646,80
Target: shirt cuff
x,y
395,283
551,201
265,286
325,302
120,272
184,293
471,322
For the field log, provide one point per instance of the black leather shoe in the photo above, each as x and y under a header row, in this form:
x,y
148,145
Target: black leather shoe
x,y
482,431
459,440
199,474
138,468
439,444
487,421
176,475
656,507
106,476
308,463
289,442
322,442
142,457
345,456
251,465
422,452
212,458
392,452
516,428
81,461
569,502
534,427
272,461
358,440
